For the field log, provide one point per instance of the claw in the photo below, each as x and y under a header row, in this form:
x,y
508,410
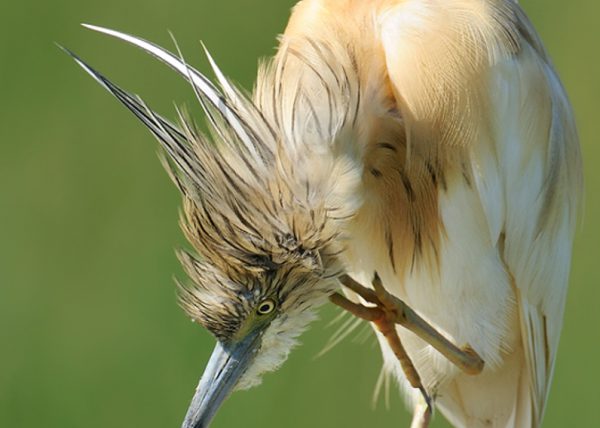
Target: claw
x,y
385,316
395,311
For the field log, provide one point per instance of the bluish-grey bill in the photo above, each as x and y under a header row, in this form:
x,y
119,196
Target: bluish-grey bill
x,y
227,364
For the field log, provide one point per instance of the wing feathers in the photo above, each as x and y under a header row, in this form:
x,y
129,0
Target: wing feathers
x,y
497,98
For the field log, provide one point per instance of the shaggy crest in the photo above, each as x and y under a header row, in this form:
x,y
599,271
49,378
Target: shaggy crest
x,y
261,223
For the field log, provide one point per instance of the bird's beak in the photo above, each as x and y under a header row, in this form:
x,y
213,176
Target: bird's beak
x,y
227,364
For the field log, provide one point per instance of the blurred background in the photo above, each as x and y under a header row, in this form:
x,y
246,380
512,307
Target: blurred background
x,y
90,332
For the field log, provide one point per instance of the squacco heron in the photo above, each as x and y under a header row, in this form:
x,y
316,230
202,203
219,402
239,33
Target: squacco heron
x,y
419,156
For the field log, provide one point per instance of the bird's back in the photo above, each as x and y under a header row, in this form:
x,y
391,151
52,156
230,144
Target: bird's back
x,y
471,179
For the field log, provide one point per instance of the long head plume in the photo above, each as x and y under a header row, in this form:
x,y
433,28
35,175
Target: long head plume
x,y
265,202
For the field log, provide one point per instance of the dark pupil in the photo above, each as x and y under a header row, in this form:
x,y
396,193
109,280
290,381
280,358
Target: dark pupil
x,y
265,307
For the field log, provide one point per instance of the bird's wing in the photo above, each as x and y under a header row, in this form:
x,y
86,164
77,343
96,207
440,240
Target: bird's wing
x,y
540,167
477,79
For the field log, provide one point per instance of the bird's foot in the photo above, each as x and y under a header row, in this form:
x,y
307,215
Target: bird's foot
x,y
385,315
390,310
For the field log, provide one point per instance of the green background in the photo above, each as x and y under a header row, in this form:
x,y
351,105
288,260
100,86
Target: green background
x,y
90,333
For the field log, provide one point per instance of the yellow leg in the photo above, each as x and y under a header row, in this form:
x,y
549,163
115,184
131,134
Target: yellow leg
x,y
389,311
387,328
394,310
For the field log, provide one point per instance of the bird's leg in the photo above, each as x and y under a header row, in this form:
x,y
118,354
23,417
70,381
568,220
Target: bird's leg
x,y
421,414
379,316
398,312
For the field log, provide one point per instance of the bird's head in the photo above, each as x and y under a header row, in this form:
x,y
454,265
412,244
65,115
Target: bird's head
x,y
256,286
256,308
265,205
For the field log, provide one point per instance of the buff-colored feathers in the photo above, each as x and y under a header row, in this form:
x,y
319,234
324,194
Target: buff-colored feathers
x,y
472,181
263,207
429,141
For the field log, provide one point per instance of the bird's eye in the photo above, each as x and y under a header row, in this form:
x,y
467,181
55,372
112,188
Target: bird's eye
x,y
266,307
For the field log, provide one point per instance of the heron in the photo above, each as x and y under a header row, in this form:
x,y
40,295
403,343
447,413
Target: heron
x,y
415,162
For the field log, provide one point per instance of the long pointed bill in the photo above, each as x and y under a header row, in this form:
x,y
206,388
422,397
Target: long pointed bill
x,y
227,364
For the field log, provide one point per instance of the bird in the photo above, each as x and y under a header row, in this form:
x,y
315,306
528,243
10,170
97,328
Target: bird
x,y
415,162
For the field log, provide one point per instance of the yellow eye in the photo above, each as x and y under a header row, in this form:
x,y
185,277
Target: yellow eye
x,y
266,307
